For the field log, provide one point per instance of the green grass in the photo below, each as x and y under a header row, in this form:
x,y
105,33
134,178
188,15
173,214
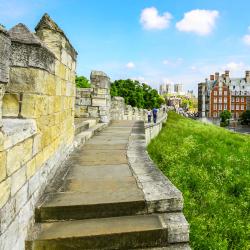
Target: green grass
x,y
210,166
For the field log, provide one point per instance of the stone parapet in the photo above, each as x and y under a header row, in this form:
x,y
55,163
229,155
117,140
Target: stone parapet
x,y
38,121
5,44
94,102
27,50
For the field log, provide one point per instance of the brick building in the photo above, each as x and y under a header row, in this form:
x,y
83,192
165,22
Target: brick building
x,y
221,93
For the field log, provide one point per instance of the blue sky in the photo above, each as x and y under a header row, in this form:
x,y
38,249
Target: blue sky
x,y
155,41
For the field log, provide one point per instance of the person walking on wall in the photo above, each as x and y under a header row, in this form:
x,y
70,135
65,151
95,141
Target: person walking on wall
x,y
155,114
149,115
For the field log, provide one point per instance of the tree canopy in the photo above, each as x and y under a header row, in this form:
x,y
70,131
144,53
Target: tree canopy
x,y
245,117
225,116
82,82
136,94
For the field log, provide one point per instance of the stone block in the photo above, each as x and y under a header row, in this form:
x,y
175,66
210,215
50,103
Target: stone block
x,y
21,197
27,150
7,213
39,159
51,85
99,102
17,180
84,101
29,106
5,50
5,192
31,168
101,91
14,158
27,80
10,105
3,170
57,104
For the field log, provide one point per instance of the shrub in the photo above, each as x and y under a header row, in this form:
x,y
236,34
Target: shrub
x,y
82,82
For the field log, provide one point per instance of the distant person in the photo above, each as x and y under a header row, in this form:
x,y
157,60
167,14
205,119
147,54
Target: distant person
x,y
155,110
164,110
149,115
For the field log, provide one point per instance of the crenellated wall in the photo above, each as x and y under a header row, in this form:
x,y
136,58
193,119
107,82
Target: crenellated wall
x,y
94,102
37,82
38,104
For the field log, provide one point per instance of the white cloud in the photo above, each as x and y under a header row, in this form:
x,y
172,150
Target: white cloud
x,y
193,68
236,67
130,65
174,62
246,39
150,19
201,22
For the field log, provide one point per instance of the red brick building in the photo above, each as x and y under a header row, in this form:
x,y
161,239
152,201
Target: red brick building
x,y
221,93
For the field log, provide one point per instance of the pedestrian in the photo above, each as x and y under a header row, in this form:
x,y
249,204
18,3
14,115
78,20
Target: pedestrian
x,y
149,115
155,110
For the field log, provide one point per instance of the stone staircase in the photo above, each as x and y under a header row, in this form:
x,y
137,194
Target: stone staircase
x,y
100,200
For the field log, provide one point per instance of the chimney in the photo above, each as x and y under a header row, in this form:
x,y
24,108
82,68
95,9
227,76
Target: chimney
x,y
248,75
217,74
211,77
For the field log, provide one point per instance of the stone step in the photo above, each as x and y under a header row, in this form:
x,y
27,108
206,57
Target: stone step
x,y
93,204
84,124
85,134
127,232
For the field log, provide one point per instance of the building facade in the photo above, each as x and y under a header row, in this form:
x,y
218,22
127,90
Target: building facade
x,y
221,93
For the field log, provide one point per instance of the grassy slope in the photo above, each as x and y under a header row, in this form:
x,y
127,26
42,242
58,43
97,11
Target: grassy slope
x,y
211,167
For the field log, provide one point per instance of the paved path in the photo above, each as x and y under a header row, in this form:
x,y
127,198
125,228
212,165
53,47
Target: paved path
x,y
99,205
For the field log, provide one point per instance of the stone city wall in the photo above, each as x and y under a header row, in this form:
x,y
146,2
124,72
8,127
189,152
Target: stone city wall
x,y
96,102
37,89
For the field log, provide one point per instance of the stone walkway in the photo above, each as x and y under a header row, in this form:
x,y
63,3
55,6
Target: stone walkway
x,y
98,204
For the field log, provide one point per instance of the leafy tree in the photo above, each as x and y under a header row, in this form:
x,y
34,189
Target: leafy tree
x,y
225,116
245,117
136,94
82,82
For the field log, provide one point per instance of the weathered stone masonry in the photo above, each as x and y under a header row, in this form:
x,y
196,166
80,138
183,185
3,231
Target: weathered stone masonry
x,y
38,104
37,89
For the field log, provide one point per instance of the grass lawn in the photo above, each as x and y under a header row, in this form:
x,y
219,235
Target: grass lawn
x,y
211,167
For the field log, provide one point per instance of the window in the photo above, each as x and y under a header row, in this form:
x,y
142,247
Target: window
x,y
242,99
225,92
215,92
215,106
232,107
220,92
232,98
215,115
220,99
225,106
225,99
220,106
237,99
215,99
237,107
242,107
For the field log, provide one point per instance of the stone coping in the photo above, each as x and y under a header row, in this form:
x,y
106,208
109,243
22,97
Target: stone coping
x,y
160,120
160,194
16,130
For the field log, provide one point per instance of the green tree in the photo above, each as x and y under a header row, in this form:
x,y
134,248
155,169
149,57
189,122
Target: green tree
x,y
136,94
82,82
245,117
225,116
